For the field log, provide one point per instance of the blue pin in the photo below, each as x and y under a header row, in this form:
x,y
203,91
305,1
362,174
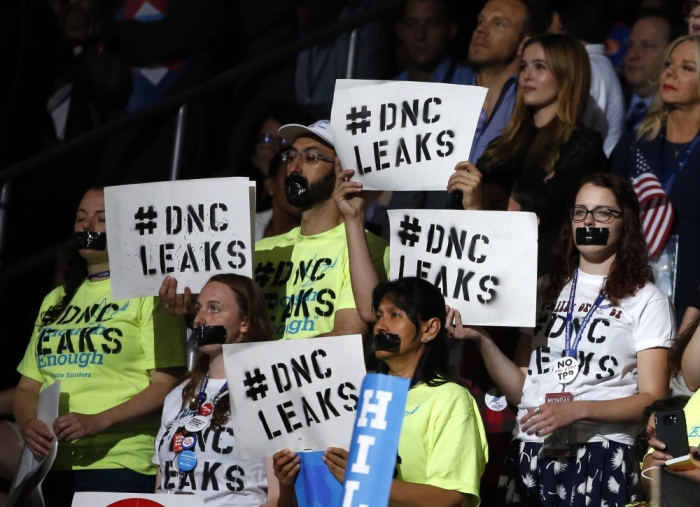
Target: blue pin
x,y
186,461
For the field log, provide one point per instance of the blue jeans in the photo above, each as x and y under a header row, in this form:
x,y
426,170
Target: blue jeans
x,y
59,485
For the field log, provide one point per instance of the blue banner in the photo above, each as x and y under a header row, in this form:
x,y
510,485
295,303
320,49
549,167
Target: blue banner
x,y
315,486
375,441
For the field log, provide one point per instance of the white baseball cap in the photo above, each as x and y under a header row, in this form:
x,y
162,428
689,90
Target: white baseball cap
x,y
321,128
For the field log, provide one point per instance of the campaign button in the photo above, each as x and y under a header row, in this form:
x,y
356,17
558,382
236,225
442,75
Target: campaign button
x,y
186,461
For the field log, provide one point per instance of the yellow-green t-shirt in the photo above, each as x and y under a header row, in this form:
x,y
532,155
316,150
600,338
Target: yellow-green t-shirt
x,y
306,279
101,351
692,419
443,442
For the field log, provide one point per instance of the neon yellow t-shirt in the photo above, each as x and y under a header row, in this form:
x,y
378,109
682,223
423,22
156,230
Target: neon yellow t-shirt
x,y
306,279
443,442
692,419
101,351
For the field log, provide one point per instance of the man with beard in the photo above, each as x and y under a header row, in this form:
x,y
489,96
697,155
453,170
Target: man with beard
x,y
305,273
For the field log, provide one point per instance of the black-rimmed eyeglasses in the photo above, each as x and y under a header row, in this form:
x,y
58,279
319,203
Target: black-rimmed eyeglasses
x,y
600,214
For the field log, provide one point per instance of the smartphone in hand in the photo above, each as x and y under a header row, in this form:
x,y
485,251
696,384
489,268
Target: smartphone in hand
x,y
672,431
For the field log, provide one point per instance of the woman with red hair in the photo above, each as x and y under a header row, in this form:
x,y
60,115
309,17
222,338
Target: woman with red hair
x,y
595,359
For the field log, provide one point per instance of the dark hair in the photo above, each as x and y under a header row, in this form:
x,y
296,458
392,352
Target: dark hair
x,y
533,194
630,270
253,307
662,405
585,20
448,8
74,273
675,353
421,301
676,26
536,21
275,164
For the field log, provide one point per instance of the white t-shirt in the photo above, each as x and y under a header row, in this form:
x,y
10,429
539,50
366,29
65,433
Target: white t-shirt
x,y
606,105
262,220
221,476
607,353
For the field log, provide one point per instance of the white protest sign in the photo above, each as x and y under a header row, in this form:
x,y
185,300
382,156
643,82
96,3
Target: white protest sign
x,y
99,499
296,394
31,471
190,230
484,262
403,135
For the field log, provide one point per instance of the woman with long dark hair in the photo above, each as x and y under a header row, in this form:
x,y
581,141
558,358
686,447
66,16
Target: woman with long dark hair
x,y
229,309
116,361
595,359
442,447
546,130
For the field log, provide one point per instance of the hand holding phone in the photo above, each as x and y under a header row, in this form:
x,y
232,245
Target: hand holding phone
x,y
671,430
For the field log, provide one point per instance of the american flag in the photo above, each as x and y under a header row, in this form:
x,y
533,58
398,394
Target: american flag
x,y
657,212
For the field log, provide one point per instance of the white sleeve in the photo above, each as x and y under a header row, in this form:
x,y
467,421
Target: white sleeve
x,y
656,326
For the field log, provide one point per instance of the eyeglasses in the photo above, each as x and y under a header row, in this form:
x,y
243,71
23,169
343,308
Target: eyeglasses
x,y
271,138
601,215
311,157
690,5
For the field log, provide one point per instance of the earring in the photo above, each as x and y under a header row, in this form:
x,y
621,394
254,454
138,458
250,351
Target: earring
x,y
426,339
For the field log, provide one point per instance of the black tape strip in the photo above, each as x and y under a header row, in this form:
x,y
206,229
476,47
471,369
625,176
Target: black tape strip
x,y
209,335
386,341
295,185
592,236
89,240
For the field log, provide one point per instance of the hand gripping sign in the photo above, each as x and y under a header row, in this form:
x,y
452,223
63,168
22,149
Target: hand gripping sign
x,y
484,262
296,394
375,441
401,135
191,230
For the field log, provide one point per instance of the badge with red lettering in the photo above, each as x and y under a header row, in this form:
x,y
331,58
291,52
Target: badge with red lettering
x,y
177,442
557,443
189,442
565,370
206,409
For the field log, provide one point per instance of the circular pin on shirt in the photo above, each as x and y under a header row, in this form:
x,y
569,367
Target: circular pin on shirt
x,y
197,423
186,461
565,369
495,400
206,409
189,442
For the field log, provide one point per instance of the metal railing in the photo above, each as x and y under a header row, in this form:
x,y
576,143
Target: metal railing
x,y
179,100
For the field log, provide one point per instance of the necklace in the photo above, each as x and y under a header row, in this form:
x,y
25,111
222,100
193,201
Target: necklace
x,y
679,147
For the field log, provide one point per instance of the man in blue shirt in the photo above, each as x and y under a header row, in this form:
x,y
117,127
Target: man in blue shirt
x,y
651,34
494,58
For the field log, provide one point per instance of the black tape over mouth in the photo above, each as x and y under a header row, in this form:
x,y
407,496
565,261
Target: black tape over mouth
x,y
295,185
386,341
592,236
209,335
90,240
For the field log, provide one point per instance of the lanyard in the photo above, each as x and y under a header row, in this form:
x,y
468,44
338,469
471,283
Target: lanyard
x,y
569,348
681,165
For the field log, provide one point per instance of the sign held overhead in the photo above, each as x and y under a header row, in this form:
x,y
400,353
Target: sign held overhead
x,y
403,135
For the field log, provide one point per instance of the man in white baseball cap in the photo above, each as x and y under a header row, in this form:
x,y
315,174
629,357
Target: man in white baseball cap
x,y
305,273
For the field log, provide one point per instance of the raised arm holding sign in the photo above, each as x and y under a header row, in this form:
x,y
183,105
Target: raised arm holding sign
x,y
598,319
304,273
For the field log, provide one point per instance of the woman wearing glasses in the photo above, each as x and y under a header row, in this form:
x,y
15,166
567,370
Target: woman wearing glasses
x,y
594,360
